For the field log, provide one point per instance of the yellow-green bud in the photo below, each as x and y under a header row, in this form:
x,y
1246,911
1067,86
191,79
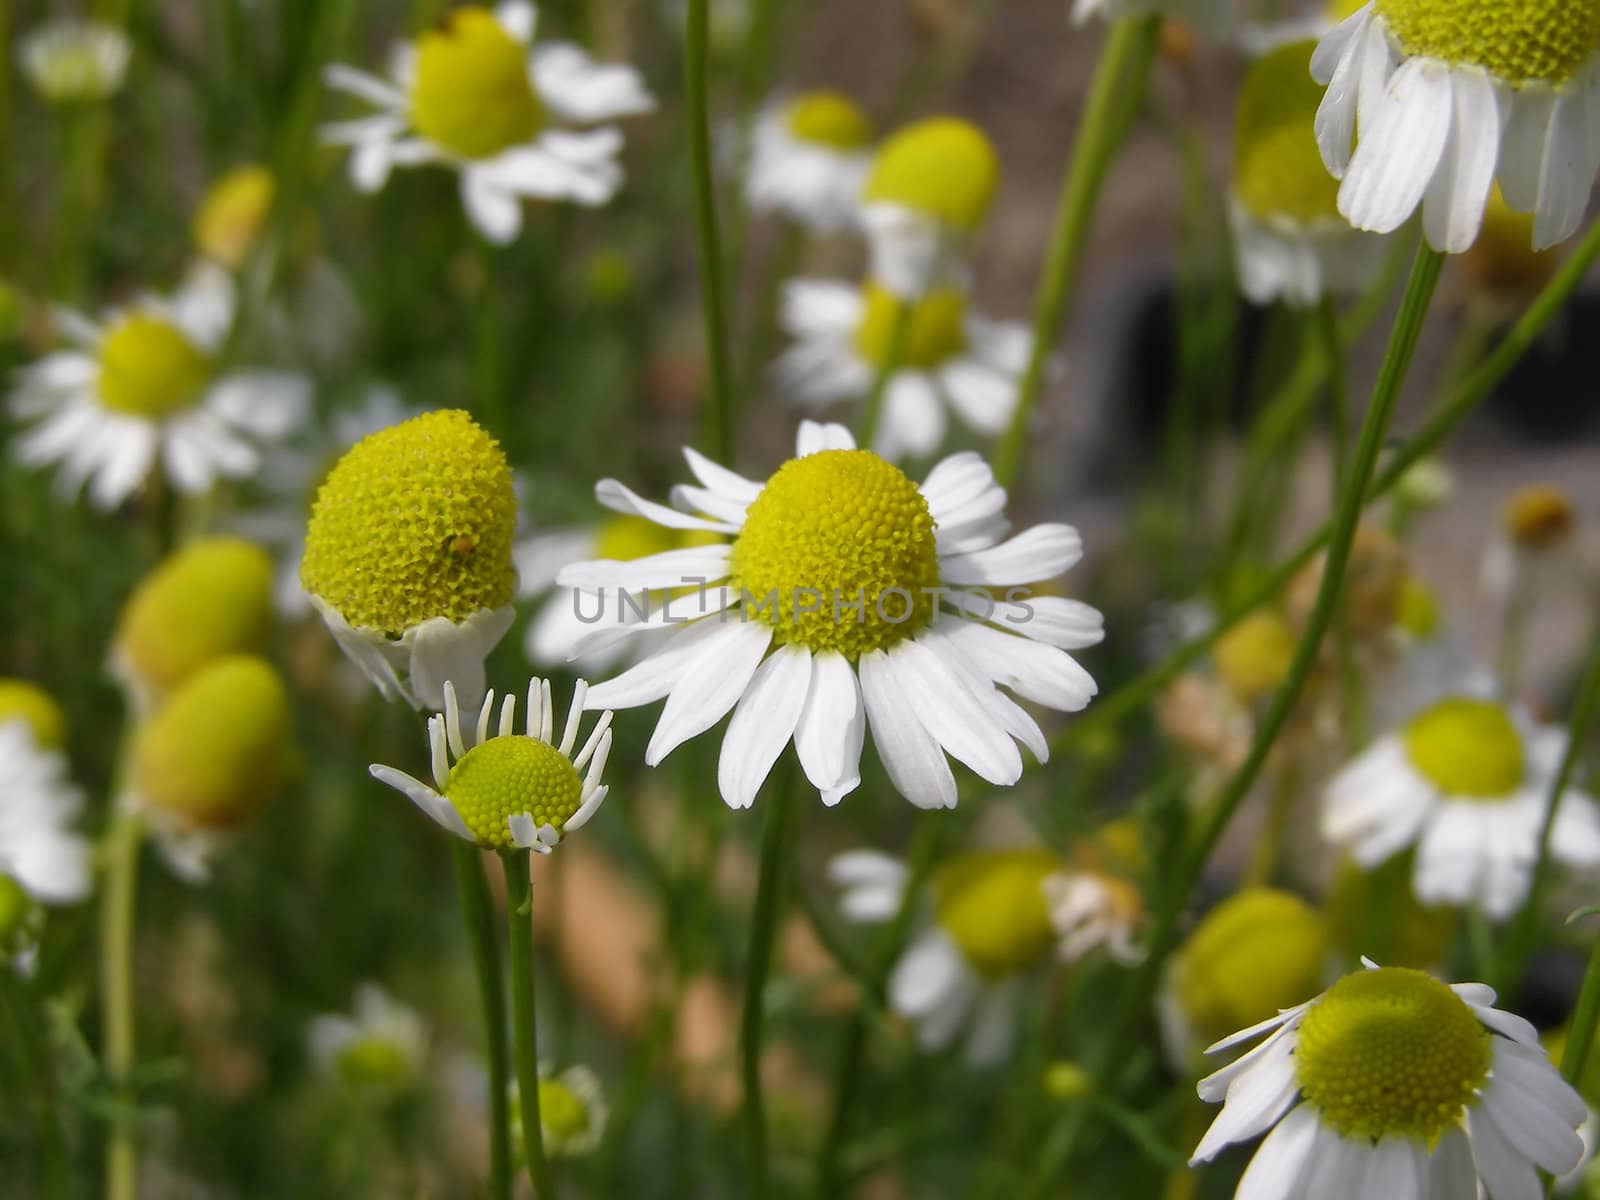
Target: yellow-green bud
x,y
232,213
941,167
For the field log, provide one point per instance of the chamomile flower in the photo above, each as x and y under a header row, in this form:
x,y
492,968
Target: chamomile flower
x,y
72,61
951,358
408,556
515,119
808,159
1452,95
39,850
1534,544
926,195
1393,1084
572,1112
992,917
839,603
145,386
379,1048
1467,781
502,788
1209,16
1289,241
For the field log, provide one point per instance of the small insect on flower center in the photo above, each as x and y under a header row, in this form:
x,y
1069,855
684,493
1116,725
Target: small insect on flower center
x,y
940,167
22,701
148,368
505,776
1391,1053
992,905
828,119
1277,168
1468,748
1517,41
471,93
936,333
836,552
563,1114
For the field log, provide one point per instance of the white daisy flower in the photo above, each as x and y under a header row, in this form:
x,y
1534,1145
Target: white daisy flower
x,y
506,789
808,159
1452,95
927,193
1391,1084
1289,241
992,917
74,61
39,849
515,119
950,358
1534,545
1467,781
381,1046
144,385
875,599
573,1113
1208,16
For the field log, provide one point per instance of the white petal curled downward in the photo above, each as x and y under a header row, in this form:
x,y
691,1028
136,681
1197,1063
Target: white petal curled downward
x,y
832,728
762,724
1279,1166
1337,62
914,761
494,211
1399,152
1452,208
424,797
1255,1100
711,683
653,677
952,713
929,972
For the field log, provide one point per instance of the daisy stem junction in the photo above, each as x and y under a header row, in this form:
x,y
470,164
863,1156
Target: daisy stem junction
x,y
519,923
116,994
478,912
899,332
1114,94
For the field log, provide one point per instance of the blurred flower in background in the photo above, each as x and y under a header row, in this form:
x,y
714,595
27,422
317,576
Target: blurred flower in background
x,y
72,61
40,852
572,1111
380,1049
808,158
233,213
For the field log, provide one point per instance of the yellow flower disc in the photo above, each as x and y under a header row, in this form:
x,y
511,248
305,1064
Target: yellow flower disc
x,y
374,1062
471,93
232,213
22,701
828,119
1391,1053
506,776
992,905
832,531
1539,517
942,167
414,522
1468,748
563,1115
209,599
1253,657
937,331
1277,168
220,748
149,368
1518,41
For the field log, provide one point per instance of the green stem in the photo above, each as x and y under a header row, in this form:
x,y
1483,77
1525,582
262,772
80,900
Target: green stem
x,y
1117,87
713,275
519,925
899,332
477,910
1585,1017
116,999
758,961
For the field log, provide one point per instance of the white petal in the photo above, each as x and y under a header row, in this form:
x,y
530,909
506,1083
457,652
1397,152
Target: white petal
x,y
494,212
654,677
1567,175
689,567
1451,1172
1255,1101
1276,1171
832,727
981,396
928,971
1035,554
913,419
710,685
953,715
813,437
1031,669
1506,1174
1399,152
620,498
915,764
762,724
1453,206
719,479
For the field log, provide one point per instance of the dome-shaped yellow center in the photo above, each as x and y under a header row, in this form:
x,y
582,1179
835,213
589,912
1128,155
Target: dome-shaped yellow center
x,y
1253,657
232,213
506,776
414,522
828,119
835,553
1539,517
372,1061
22,701
562,1113
1277,168
1466,748
942,167
471,93
992,905
1255,953
1391,1053
220,748
148,368
1517,41
937,330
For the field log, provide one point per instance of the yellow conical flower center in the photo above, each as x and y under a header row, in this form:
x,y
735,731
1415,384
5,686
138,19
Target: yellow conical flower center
x,y
231,216
1419,609
414,522
1391,1053
835,554
828,119
936,333
1539,517
1518,41
471,93
1466,748
506,776
561,1112
149,368
942,167
1277,168
992,905
1255,953
210,599
374,1062
22,701
220,748
1253,657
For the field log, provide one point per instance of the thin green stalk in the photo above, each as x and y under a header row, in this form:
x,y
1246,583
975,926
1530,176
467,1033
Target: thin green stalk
x,y
899,332
116,995
1118,85
519,924
1585,1018
477,911
713,274
763,929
